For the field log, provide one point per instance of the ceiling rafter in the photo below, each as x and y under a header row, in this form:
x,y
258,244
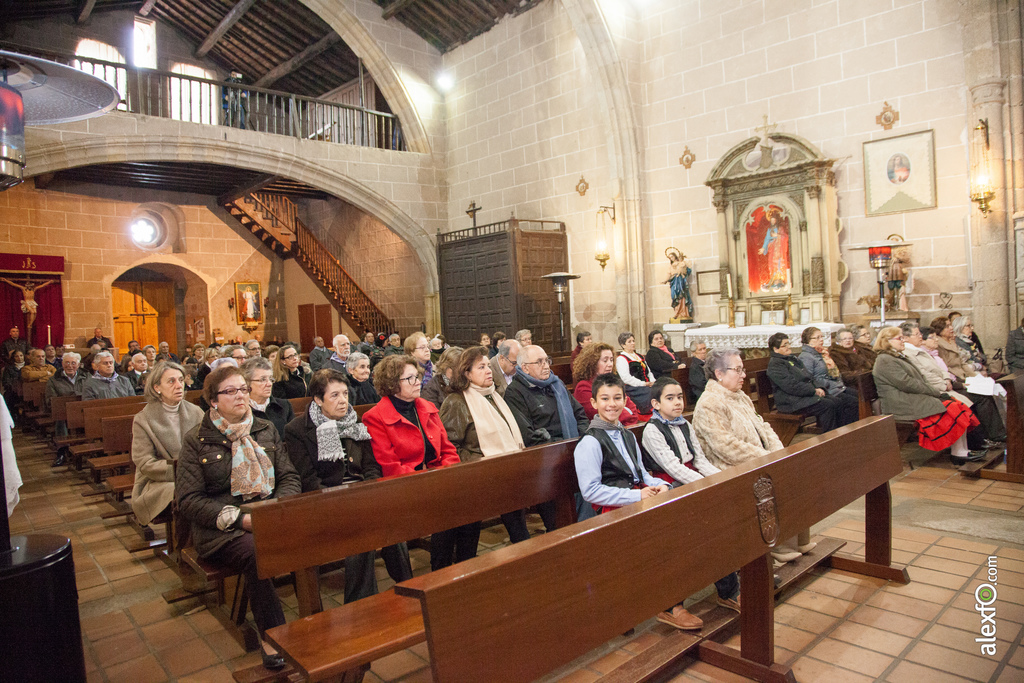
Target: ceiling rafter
x,y
86,11
286,67
229,20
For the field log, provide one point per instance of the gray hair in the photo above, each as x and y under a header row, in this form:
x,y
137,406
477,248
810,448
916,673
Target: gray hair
x,y
395,338
101,354
718,359
226,360
906,328
959,323
354,359
695,343
845,330
334,342
624,337
521,358
522,333
73,355
505,347
249,343
155,376
857,329
255,363
226,351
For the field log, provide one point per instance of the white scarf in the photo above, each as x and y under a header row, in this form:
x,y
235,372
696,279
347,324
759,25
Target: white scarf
x,y
496,430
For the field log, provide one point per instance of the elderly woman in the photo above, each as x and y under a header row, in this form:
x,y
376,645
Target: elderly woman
x,y
942,422
266,406
437,347
150,352
209,355
598,358
231,458
660,356
417,346
825,373
480,424
984,408
407,436
361,391
862,341
635,373
963,331
289,380
795,389
731,432
848,357
157,433
698,377
439,385
329,447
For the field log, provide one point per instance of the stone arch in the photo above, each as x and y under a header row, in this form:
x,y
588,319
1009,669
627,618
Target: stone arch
x,y
56,156
355,35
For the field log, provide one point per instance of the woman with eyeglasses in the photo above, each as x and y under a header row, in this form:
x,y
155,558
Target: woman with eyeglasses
x,y
417,346
264,404
731,432
825,374
233,457
942,421
407,436
862,341
795,390
289,380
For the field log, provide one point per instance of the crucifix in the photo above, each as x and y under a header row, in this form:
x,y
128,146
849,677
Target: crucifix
x,y
28,301
472,210
767,128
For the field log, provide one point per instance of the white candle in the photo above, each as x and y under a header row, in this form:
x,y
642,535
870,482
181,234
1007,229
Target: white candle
x,y
48,341
728,283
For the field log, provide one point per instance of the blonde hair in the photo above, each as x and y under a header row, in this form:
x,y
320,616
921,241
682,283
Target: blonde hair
x,y
412,340
156,375
884,335
279,369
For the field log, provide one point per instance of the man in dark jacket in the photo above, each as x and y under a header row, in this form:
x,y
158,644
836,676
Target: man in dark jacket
x,y
1014,354
12,344
68,381
98,338
698,377
795,392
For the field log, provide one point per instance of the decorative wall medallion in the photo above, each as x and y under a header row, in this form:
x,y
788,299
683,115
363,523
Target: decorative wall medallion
x,y
945,300
888,118
582,186
688,158
767,512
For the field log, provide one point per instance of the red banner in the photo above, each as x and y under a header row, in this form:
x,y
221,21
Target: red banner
x,y
30,263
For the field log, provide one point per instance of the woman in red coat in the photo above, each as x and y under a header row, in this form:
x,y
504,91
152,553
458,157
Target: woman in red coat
x,y
407,436
598,358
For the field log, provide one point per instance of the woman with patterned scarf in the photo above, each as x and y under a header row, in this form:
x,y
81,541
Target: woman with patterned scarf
x,y
229,459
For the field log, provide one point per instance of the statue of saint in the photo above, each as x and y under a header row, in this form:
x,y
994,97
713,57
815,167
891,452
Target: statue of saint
x,y
28,301
900,280
679,285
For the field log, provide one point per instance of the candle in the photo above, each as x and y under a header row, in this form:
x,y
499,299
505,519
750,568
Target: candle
x,y
728,283
48,341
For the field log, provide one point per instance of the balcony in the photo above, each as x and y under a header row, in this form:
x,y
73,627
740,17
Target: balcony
x,y
184,97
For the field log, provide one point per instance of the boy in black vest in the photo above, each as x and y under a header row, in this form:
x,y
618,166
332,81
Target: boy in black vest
x,y
611,473
671,451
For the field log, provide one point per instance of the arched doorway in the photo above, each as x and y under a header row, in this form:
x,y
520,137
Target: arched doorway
x,y
157,302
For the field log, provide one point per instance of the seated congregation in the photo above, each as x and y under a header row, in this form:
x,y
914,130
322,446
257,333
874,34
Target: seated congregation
x,y
267,424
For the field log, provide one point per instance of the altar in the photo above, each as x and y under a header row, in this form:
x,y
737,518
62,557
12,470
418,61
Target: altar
x,y
749,337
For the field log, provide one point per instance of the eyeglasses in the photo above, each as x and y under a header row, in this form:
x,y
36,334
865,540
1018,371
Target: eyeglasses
x,y
294,355
412,380
738,371
420,347
542,361
265,380
233,390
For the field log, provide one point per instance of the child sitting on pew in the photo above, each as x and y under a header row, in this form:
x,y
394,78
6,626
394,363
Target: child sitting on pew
x,y
671,451
611,473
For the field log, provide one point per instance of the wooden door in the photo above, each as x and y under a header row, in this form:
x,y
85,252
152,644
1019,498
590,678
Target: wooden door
x,y
324,324
315,320
143,311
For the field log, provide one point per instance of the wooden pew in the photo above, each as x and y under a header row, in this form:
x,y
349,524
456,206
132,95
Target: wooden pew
x,y
786,426
92,416
517,613
1014,385
299,533
299,405
563,371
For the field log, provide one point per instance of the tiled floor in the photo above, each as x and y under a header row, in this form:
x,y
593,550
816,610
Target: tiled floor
x,y
834,626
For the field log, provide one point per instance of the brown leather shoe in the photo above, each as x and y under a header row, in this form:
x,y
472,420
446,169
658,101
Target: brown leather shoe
x,y
678,617
730,604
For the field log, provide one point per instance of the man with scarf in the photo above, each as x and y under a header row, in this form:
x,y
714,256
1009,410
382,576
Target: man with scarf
x,y
339,359
329,447
105,382
543,408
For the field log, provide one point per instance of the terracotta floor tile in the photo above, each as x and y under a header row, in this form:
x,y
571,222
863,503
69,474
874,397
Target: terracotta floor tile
x,y
150,612
204,622
804,619
133,584
871,638
119,648
971,622
822,603
953,661
845,534
94,676
141,670
844,590
996,505
957,639
1017,658
851,657
702,671
1011,553
793,639
905,605
850,577
914,535
973,546
940,564
808,669
112,623
949,497
935,578
419,676
168,633
908,672
95,593
215,674
921,591
188,657
1010,674
421,650
224,644
1006,578
1008,610
580,676
89,579
397,665
1011,594
1011,564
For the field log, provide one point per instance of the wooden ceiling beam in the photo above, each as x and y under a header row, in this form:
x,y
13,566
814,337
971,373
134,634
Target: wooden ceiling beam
x,y
229,20
286,67
85,10
395,7
146,8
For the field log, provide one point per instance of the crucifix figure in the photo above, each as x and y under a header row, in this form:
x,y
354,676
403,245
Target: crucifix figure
x,y
766,144
28,301
472,210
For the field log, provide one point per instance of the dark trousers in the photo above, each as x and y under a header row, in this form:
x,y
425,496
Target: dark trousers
x,y
515,524
360,576
728,587
849,406
396,559
460,541
987,412
548,512
239,555
825,411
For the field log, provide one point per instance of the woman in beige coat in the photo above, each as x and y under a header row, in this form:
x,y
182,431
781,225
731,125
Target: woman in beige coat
x,y
156,439
731,432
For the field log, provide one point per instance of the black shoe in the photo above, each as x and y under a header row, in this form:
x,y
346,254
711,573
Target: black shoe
x,y
988,445
273,662
957,461
777,579
977,456
60,460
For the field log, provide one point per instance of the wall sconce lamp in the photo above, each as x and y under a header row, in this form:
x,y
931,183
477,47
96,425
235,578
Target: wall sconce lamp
x,y
231,304
602,256
982,191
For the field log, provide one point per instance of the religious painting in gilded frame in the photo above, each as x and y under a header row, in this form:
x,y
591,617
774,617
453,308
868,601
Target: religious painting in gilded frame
x,y
899,174
769,264
249,303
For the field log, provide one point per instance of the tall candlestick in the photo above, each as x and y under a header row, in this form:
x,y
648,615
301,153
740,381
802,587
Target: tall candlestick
x,y
48,340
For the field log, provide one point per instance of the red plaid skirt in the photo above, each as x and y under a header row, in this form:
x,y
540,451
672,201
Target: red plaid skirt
x,y
940,431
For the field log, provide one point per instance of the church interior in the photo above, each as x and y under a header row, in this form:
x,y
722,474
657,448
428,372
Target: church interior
x,y
744,187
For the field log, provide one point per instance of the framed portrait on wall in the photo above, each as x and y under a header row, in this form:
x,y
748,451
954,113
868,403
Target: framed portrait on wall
x,y
899,174
248,303
201,330
709,281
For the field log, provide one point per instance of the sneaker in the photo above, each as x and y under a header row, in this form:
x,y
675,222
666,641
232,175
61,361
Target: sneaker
x,y
679,618
733,604
785,556
274,662
804,549
977,456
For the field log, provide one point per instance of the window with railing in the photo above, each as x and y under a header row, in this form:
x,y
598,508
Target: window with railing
x,y
197,101
100,60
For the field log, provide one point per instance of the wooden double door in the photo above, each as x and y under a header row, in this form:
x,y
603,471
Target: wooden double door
x,y
316,320
145,312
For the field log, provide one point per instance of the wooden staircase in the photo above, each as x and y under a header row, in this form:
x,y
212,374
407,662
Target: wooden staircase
x,y
274,219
